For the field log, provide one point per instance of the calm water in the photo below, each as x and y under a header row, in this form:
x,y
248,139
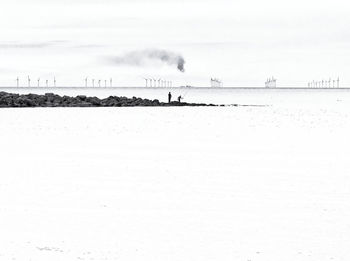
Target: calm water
x,y
255,96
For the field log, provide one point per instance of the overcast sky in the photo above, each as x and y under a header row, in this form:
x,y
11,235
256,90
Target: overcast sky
x,y
243,42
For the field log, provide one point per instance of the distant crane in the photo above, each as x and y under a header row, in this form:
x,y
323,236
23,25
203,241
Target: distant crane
x,y
146,80
338,81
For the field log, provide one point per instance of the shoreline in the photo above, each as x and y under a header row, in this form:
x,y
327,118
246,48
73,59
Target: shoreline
x,y
12,100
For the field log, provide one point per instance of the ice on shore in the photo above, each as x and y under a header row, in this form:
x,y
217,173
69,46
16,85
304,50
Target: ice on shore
x,y
223,183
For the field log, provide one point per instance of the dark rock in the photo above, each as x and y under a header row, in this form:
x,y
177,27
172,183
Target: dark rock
x,y
81,97
53,100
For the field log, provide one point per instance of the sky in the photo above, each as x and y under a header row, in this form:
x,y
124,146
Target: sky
x,y
241,42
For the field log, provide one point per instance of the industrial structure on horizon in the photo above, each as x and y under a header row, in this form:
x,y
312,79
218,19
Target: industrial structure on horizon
x,y
271,83
215,83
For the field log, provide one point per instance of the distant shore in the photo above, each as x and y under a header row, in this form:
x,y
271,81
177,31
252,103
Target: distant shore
x,y
11,100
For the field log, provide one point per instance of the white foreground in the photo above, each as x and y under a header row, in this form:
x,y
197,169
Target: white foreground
x,y
227,184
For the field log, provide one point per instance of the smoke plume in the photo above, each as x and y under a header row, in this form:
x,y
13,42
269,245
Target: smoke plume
x,y
141,58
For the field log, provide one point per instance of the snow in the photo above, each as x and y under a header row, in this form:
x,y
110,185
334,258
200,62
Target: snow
x,y
226,183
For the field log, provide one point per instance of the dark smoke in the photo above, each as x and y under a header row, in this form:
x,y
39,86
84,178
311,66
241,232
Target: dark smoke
x,y
140,58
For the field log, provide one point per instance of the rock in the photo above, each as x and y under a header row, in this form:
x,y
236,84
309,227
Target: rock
x,y
53,100
81,97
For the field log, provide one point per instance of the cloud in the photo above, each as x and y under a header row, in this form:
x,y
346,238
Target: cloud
x,y
37,45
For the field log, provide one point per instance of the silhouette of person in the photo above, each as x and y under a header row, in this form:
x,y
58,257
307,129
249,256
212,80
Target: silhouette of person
x,y
179,98
169,97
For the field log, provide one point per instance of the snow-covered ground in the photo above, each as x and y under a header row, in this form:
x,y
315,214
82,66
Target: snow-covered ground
x,y
223,183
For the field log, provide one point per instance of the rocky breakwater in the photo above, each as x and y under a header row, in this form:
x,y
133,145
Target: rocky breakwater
x,y
9,100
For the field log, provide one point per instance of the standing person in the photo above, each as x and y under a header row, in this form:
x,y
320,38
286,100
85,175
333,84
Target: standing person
x,y
169,97
179,98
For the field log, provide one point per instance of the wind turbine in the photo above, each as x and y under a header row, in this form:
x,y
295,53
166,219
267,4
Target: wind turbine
x,y
154,82
47,83
28,81
54,81
99,83
111,82
38,82
105,83
17,82
93,82
86,81
146,80
338,81
333,83
159,82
